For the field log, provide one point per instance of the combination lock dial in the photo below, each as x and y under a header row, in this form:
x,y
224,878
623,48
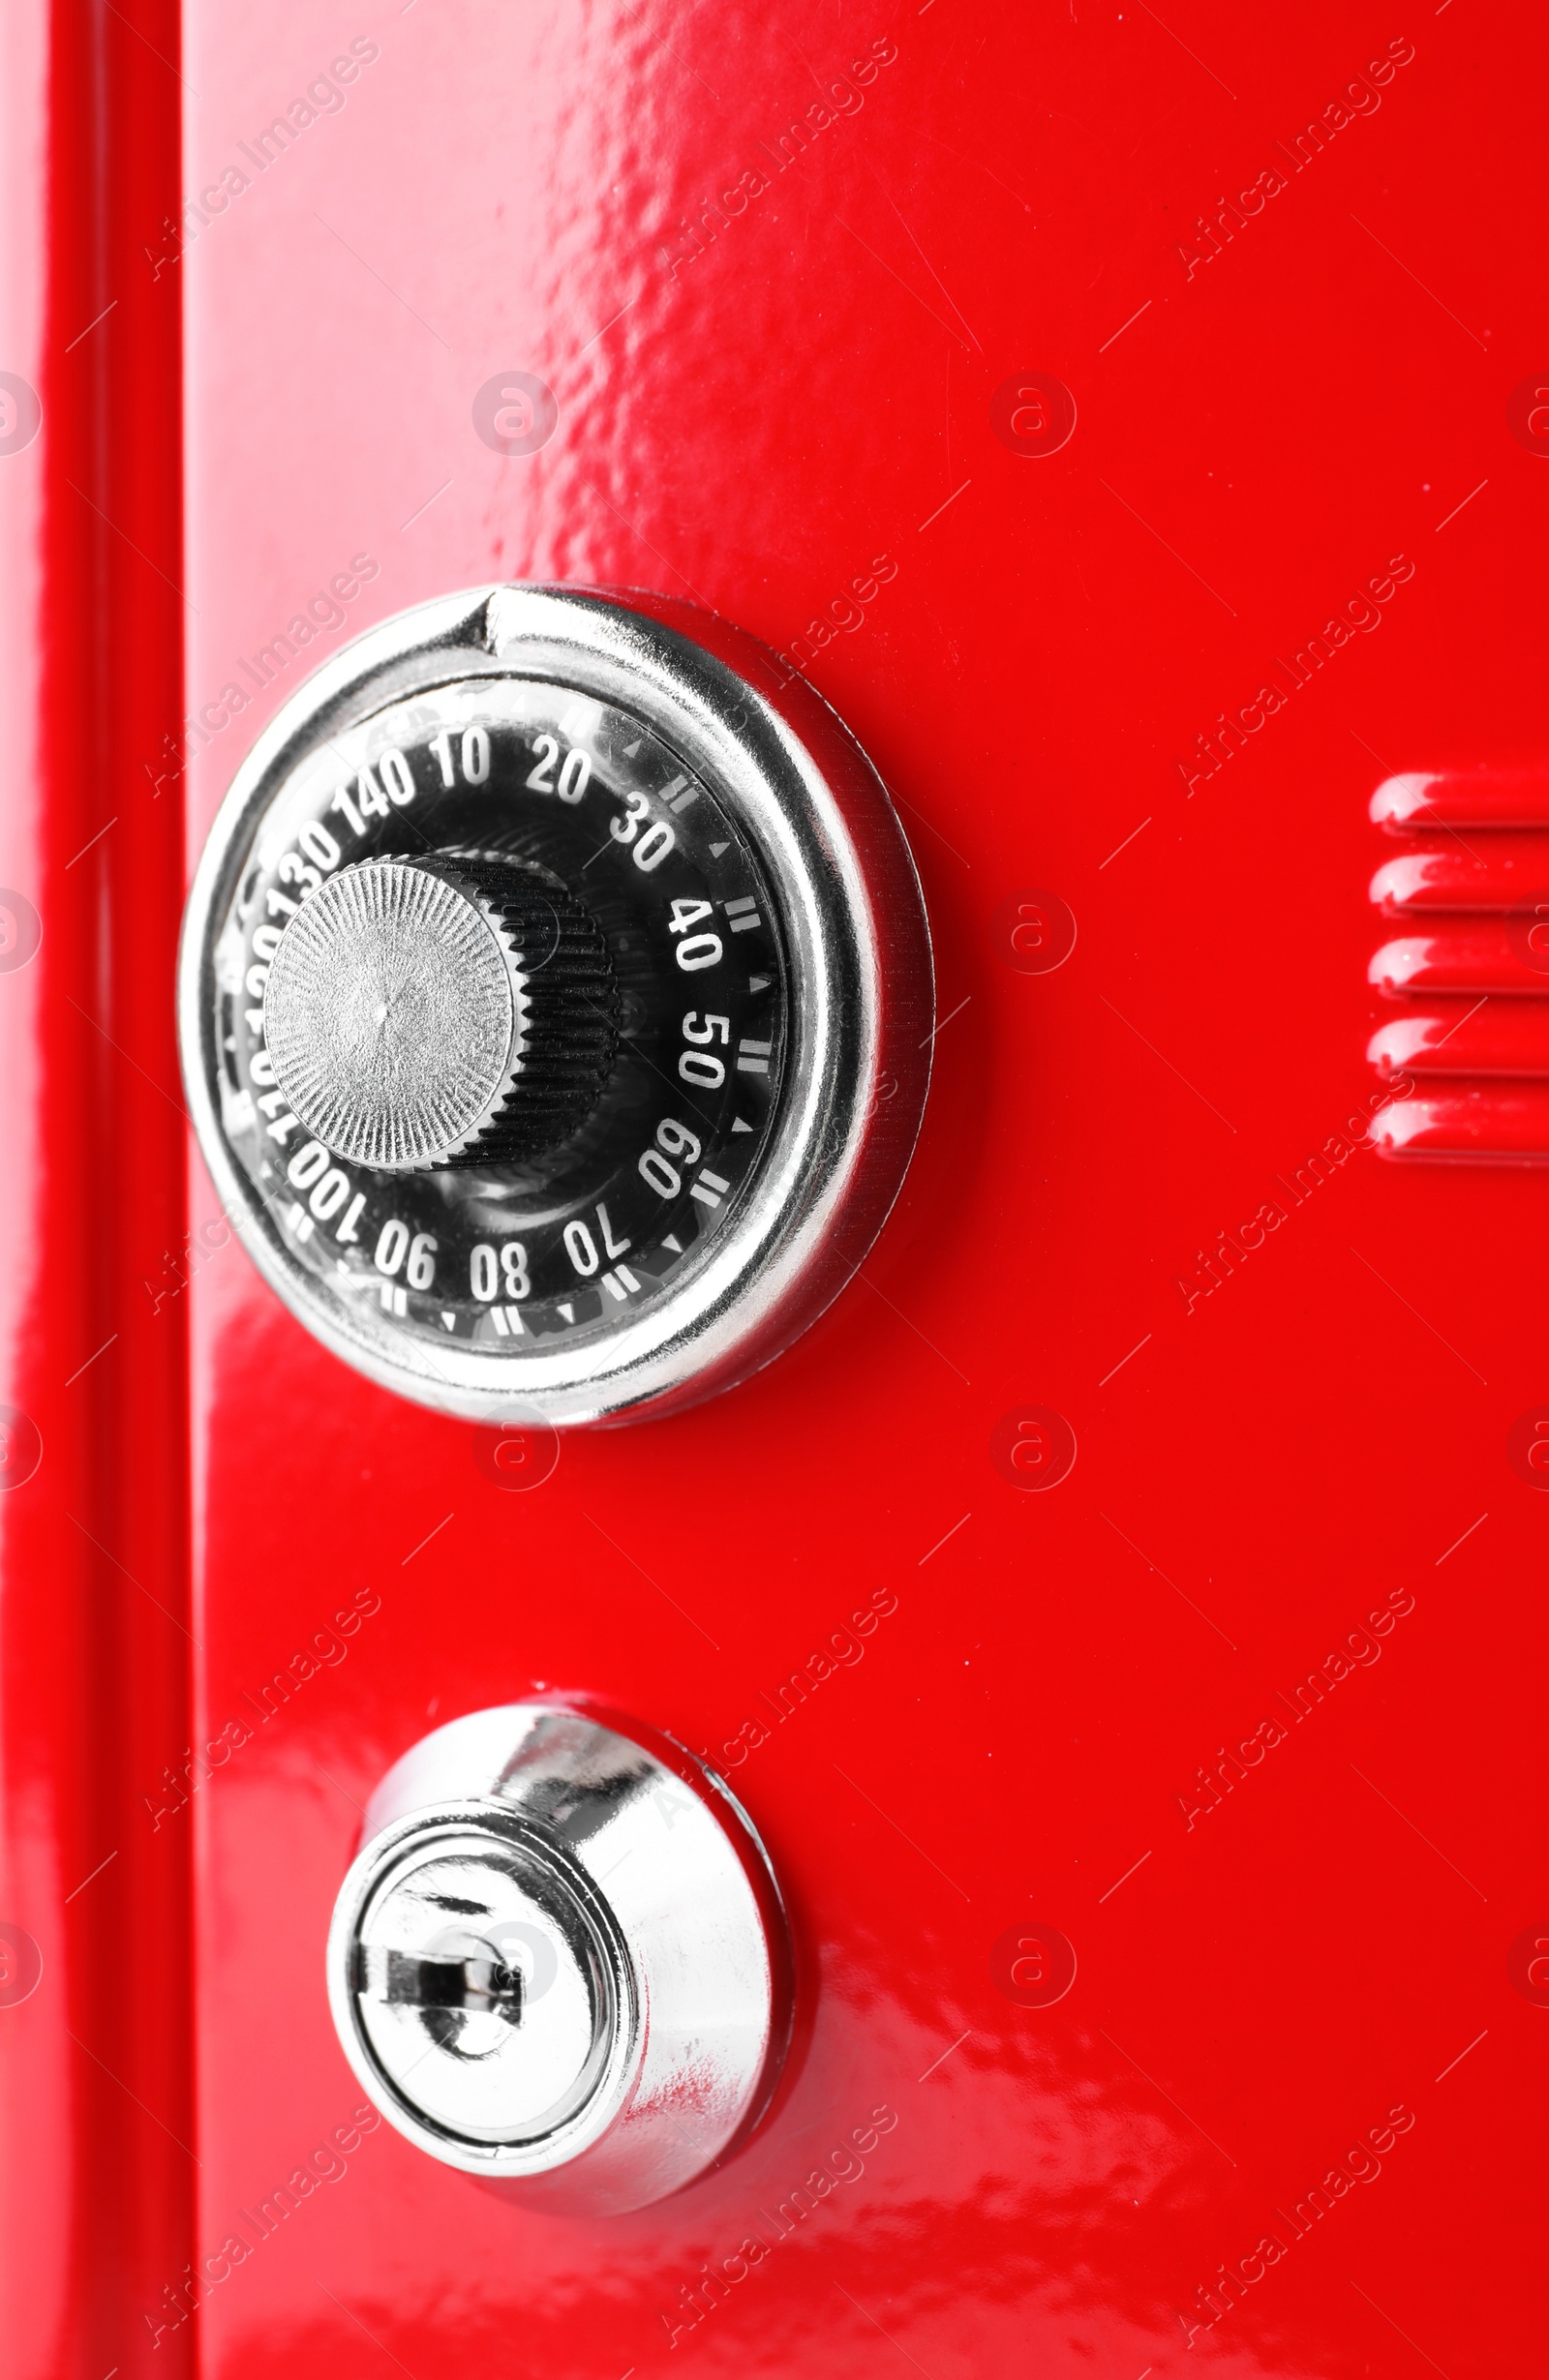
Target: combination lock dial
x,y
556,1003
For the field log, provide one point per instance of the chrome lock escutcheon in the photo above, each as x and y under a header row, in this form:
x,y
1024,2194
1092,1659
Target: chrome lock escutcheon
x,y
560,1960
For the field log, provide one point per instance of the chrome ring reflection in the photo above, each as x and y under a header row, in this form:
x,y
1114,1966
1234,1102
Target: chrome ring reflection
x,y
560,1960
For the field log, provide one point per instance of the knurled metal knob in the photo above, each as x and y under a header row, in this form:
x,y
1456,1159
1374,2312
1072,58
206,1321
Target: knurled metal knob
x,y
454,1009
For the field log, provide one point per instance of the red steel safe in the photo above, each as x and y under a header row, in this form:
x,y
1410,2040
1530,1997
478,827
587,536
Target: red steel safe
x,y
1116,1613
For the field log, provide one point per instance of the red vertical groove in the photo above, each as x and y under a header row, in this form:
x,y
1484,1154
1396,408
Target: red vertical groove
x,y
97,2153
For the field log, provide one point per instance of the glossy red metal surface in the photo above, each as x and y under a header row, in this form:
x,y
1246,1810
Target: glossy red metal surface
x,y
97,2164
1167,1877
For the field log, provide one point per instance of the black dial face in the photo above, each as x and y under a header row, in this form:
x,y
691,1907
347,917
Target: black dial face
x,y
579,1239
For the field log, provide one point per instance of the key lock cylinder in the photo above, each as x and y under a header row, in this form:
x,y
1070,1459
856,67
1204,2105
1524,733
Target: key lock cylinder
x,y
560,1960
555,1007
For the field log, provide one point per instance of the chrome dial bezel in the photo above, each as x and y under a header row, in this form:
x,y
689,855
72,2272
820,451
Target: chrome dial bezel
x,y
856,944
